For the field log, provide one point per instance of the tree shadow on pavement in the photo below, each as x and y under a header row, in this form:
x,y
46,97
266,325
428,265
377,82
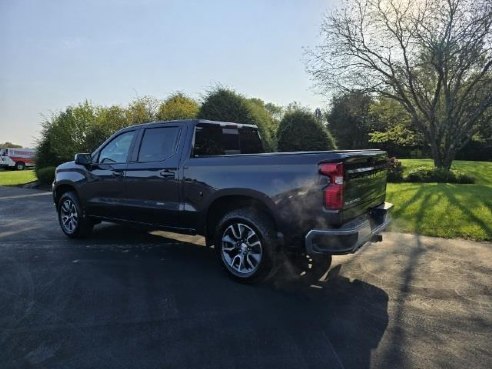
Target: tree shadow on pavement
x,y
352,313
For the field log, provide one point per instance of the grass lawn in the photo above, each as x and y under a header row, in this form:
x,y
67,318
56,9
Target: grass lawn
x,y
16,177
445,210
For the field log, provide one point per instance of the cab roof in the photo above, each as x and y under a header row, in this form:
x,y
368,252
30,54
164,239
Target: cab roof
x,y
193,122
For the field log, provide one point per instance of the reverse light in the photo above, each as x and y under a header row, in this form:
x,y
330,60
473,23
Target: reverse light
x,y
333,193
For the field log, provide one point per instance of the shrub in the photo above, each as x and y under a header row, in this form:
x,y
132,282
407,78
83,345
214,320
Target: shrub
x,y
83,127
440,175
395,170
178,106
419,174
300,131
476,149
142,110
463,178
266,119
64,134
45,175
107,121
228,106
45,154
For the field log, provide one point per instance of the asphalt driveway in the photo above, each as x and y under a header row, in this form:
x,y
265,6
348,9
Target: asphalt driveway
x,y
131,299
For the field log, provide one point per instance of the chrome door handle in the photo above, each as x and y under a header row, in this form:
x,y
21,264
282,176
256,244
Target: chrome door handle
x,y
166,173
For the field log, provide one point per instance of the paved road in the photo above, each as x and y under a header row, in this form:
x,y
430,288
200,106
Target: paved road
x,y
129,299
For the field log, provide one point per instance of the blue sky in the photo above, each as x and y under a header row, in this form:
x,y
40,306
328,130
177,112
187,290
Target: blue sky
x,y
55,53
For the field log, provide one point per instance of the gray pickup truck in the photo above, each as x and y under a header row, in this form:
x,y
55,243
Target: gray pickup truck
x,y
213,179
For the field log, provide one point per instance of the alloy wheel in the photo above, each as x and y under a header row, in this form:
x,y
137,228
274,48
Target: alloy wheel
x,y
69,216
242,250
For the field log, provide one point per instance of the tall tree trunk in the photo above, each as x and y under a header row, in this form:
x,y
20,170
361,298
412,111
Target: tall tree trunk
x,y
436,154
448,158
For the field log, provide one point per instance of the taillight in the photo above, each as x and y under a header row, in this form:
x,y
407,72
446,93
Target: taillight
x,y
333,193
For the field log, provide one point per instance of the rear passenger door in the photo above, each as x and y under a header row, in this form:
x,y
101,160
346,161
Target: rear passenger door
x,y
152,177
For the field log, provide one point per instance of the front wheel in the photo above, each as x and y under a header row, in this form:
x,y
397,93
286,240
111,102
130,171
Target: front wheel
x,y
20,165
245,244
72,220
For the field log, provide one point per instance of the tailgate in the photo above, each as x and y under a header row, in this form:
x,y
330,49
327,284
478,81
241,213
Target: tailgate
x,y
364,182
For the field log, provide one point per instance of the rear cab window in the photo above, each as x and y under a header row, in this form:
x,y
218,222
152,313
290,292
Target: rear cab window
x,y
216,139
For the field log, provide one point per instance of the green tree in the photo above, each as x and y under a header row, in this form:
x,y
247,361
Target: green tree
x,y
349,121
142,110
264,118
434,57
64,135
480,145
276,111
178,106
107,121
392,128
228,106
69,129
299,130
45,155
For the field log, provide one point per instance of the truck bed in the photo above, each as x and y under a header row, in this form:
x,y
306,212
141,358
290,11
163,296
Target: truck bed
x,y
290,182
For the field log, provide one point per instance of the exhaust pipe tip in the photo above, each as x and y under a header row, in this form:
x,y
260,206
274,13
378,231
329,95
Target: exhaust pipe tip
x,y
377,238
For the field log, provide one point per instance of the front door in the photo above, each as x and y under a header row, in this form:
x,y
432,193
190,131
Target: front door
x,y
152,178
105,187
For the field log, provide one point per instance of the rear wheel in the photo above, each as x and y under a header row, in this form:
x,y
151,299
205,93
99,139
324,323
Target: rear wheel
x,y
245,245
20,165
72,220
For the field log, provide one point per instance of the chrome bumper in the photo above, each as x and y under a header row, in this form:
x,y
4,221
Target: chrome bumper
x,y
351,236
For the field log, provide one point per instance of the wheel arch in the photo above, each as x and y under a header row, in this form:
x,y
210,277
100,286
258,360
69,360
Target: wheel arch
x,y
61,189
228,202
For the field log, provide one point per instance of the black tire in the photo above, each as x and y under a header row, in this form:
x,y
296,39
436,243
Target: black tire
x,y
73,222
255,250
312,268
20,165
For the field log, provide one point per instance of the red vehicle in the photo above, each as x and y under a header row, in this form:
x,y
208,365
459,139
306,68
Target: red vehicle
x,y
17,158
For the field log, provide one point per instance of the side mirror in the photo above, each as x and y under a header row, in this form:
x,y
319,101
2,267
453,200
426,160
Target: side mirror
x,y
83,159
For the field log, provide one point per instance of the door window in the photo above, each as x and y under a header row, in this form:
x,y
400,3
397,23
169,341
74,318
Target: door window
x,y
158,144
116,151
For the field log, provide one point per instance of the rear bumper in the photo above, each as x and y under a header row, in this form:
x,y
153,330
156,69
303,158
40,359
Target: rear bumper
x,y
351,236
